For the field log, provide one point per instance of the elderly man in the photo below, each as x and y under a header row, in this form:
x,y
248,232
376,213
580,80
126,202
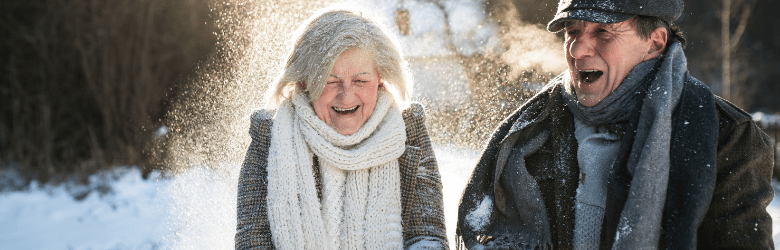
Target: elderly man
x,y
625,150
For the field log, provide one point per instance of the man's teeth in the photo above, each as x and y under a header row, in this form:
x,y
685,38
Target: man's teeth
x,y
345,110
589,76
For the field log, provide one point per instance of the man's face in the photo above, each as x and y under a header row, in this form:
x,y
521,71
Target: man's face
x,y
601,55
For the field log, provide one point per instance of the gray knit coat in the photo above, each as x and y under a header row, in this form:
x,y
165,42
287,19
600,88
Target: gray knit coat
x,y
421,196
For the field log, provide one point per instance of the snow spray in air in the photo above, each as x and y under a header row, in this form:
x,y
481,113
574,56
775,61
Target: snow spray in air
x,y
209,122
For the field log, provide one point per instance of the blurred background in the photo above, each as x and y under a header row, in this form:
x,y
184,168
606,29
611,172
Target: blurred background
x,y
93,84
85,83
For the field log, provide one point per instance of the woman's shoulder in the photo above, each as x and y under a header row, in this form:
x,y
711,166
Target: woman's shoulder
x,y
415,111
414,119
263,114
261,120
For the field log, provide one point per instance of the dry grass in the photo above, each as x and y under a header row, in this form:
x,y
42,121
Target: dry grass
x,y
85,82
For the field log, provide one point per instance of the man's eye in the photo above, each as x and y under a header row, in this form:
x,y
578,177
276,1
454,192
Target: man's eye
x,y
333,82
601,31
572,32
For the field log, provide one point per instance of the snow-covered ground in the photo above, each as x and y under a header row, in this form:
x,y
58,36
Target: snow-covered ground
x,y
192,210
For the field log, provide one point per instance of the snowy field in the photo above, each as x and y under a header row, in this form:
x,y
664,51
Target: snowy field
x,y
193,210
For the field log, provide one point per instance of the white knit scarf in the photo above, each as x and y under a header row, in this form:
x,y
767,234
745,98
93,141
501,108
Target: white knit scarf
x,y
361,197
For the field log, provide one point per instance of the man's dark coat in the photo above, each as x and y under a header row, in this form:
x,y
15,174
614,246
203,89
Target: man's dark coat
x,y
719,181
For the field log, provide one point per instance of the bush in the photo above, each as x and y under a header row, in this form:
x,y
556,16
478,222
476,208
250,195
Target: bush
x,y
85,82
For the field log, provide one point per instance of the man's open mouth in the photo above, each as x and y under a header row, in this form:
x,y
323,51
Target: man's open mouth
x,y
589,76
345,111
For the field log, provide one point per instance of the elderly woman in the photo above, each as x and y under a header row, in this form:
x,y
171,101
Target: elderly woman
x,y
344,160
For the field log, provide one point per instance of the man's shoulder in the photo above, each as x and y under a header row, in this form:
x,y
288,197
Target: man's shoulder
x,y
533,111
727,110
534,106
728,113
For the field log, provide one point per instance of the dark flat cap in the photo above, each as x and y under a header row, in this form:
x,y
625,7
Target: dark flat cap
x,y
614,11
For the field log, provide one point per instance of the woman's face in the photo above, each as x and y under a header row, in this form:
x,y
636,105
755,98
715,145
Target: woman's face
x,y
349,97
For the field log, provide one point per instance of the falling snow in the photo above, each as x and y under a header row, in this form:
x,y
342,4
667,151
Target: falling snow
x,y
196,208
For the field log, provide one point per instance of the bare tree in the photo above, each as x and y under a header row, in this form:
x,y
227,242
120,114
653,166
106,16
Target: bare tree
x,y
731,41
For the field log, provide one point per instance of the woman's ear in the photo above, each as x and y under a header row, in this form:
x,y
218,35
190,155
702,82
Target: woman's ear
x,y
301,86
657,43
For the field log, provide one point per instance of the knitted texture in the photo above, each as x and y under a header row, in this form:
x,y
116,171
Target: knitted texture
x,y
361,205
587,226
421,197
650,160
597,149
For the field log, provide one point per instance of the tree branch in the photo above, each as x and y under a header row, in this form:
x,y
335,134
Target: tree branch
x,y
741,26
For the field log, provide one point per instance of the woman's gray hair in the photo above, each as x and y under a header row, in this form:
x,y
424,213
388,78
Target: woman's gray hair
x,y
321,40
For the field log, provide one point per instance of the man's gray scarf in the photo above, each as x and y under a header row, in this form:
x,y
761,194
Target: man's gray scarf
x,y
648,163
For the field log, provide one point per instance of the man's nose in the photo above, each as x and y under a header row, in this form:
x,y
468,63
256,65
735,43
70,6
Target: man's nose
x,y
582,47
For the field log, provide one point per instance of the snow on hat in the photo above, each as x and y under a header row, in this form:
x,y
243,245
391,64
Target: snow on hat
x,y
614,11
